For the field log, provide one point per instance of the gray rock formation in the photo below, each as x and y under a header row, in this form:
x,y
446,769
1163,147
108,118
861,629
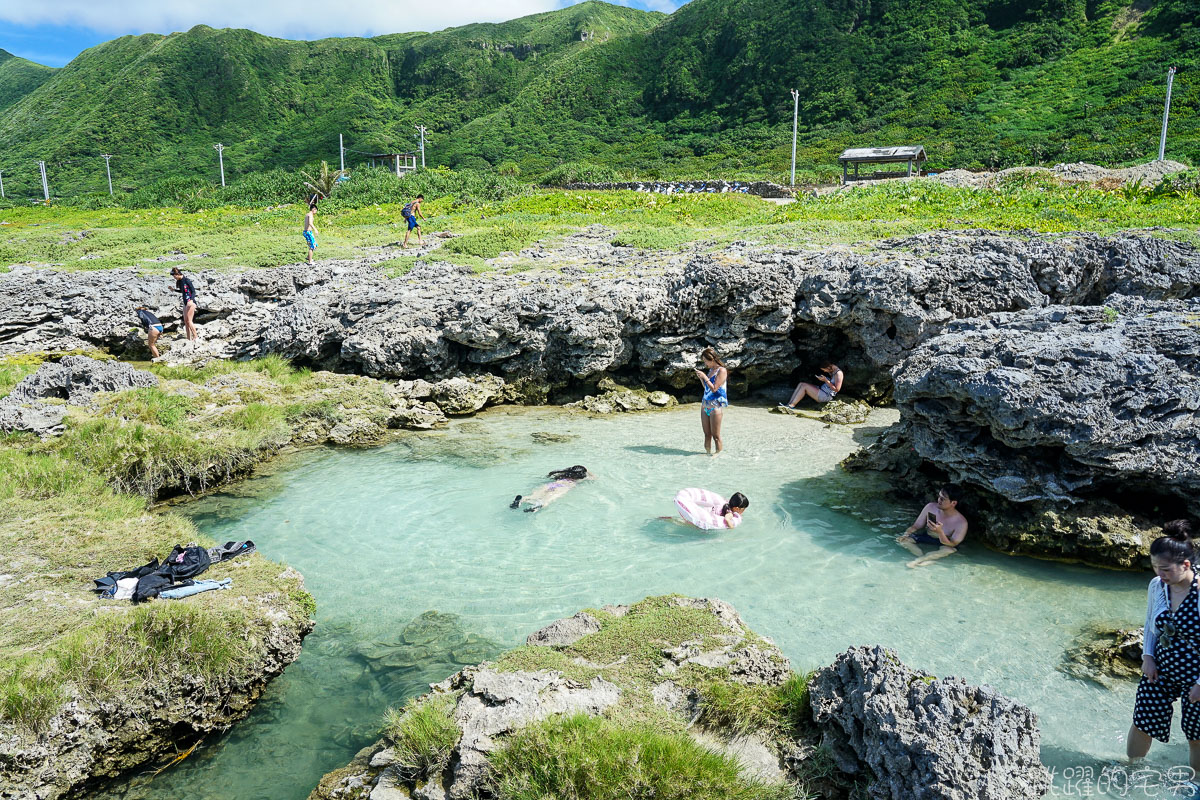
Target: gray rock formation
x,y
73,379
764,310
1062,403
564,631
964,742
497,703
1107,654
922,738
760,188
76,378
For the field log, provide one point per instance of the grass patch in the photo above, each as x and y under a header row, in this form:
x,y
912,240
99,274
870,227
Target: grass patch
x,y
150,405
782,710
510,237
12,374
145,459
397,267
63,524
232,237
142,647
423,734
592,758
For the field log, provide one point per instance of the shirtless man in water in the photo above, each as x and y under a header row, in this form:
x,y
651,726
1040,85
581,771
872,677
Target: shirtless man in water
x,y
947,528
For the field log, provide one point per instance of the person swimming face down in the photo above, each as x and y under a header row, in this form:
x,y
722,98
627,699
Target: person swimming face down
x,y
562,481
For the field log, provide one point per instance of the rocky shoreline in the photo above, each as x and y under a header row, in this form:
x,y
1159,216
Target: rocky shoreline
x,y
92,740
1041,371
891,731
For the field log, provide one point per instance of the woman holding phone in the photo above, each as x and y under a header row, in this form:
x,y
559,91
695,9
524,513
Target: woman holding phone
x,y
714,400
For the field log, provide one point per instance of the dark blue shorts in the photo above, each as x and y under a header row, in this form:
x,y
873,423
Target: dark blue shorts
x,y
925,538
412,222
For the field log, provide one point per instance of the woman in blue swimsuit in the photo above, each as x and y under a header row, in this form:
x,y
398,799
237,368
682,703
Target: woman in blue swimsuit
x,y
712,405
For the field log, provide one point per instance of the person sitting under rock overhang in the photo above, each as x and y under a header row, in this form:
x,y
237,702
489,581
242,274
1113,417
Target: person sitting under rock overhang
x,y
944,521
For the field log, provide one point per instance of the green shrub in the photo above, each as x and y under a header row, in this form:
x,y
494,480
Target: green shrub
x,y
591,758
491,243
577,172
423,734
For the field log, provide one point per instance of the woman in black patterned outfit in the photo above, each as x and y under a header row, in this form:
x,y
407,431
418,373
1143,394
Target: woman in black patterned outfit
x,y
1171,660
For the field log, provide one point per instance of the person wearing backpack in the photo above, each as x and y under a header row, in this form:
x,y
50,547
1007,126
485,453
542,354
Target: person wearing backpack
x,y
410,212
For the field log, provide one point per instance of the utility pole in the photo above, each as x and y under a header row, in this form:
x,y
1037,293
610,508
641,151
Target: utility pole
x,y
341,154
45,183
795,119
421,129
1,184
1162,139
108,171
220,148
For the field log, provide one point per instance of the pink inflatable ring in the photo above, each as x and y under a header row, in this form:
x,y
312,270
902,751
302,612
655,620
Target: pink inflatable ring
x,y
702,508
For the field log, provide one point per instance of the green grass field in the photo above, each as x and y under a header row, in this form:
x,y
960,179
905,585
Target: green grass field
x,y
237,237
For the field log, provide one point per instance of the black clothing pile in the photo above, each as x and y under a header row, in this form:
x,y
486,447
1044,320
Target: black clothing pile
x,y
177,569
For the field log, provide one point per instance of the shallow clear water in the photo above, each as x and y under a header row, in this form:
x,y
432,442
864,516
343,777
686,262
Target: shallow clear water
x,y
385,535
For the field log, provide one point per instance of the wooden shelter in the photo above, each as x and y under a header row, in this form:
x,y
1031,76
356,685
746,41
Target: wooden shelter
x,y
403,163
910,154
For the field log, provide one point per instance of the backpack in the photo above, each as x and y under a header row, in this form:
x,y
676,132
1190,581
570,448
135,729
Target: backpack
x,y
407,211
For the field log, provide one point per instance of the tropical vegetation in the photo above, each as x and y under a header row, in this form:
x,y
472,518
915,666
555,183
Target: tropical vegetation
x,y
702,92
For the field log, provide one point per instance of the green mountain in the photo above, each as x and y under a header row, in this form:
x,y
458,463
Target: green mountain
x,y
19,77
704,91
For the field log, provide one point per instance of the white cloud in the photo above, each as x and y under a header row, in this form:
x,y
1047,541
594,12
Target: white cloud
x,y
305,19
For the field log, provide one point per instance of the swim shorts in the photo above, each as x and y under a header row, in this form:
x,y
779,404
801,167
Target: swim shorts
x,y
925,538
412,222
312,240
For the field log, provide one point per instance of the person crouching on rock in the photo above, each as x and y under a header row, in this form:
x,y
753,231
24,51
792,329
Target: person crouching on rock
x,y
831,384
1171,658
946,527
153,326
185,288
564,480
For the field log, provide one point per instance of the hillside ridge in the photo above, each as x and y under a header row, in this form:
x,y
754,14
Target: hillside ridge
x,y
701,92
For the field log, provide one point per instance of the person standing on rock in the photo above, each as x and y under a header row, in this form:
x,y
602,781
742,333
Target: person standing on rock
x,y
410,213
946,525
184,286
310,227
1170,648
831,384
714,400
153,326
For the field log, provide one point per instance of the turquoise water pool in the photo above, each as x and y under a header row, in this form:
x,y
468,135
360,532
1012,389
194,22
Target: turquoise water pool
x,y
418,566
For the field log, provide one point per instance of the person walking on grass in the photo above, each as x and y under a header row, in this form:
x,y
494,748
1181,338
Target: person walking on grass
x,y
410,212
153,326
187,290
310,227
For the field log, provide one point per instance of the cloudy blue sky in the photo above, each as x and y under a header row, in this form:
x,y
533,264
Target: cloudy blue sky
x,y
53,32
